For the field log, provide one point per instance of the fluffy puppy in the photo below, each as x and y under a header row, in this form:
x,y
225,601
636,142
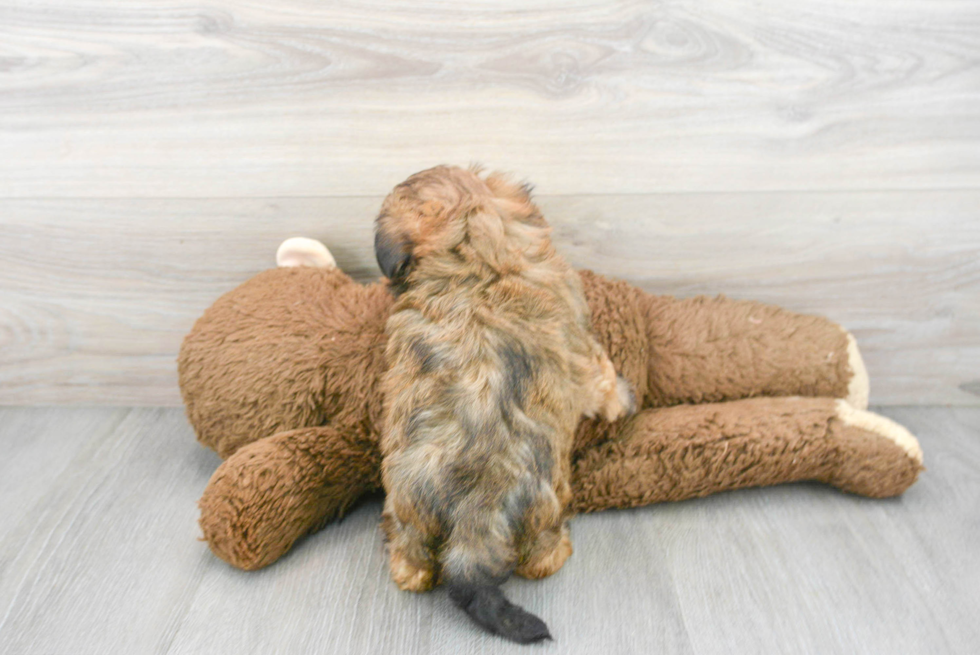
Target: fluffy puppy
x,y
491,366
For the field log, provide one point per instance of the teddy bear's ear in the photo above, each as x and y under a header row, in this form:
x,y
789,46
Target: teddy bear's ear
x,y
300,251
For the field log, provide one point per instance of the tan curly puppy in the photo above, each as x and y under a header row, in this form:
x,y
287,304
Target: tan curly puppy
x,y
491,366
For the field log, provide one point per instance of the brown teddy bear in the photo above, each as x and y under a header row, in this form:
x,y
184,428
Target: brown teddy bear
x,y
280,377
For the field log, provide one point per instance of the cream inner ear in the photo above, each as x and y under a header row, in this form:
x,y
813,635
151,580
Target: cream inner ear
x,y
300,251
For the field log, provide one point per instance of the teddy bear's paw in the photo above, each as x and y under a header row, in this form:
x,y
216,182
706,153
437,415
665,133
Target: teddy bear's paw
x,y
300,251
881,426
858,387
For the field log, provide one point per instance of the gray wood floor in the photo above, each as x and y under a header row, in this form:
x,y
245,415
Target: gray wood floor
x,y
99,554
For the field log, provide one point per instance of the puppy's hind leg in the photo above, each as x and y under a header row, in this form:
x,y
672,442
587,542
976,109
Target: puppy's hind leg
x,y
548,554
411,562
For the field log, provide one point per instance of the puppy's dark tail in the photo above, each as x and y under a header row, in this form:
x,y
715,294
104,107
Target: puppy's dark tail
x,y
488,606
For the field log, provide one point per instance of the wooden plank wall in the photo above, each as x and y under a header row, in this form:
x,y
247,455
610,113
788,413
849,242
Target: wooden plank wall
x,y
822,154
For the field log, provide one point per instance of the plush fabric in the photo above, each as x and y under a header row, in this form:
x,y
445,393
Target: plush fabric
x,y
280,377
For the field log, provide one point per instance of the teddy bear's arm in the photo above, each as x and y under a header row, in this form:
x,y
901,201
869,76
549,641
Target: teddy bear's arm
x,y
695,450
713,349
704,350
273,491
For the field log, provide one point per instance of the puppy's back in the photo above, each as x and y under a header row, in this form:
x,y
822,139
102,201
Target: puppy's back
x,y
489,351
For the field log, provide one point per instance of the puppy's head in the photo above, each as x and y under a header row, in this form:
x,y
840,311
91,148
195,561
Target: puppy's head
x,y
440,209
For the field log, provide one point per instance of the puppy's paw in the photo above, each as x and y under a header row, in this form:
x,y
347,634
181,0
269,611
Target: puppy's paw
x,y
549,563
627,394
408,576
620,401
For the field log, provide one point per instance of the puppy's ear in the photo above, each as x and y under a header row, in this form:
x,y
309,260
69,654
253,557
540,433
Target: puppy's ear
x,y
394,255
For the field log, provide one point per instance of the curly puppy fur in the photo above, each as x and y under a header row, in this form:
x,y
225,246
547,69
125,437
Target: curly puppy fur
x,y
491,366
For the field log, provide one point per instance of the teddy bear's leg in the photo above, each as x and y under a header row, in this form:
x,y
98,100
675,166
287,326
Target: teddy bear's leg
x,y
716,349
275,490
694,450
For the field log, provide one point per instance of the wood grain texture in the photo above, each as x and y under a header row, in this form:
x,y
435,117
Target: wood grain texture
x,y
95,295
300,98
106,560
38,448
822,154
842,574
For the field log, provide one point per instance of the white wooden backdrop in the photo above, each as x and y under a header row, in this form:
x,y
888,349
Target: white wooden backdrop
x,y
819,154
